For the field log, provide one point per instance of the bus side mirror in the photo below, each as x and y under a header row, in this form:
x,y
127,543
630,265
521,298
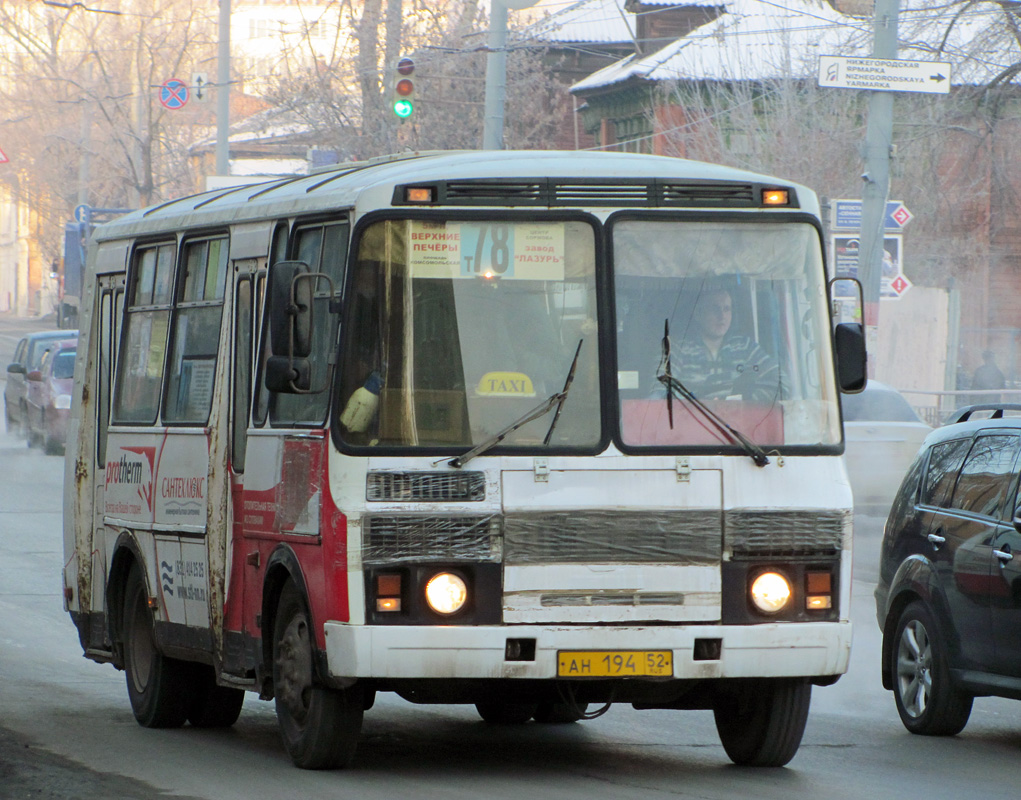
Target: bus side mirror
x,y
15,369
290,309
852,359
284,374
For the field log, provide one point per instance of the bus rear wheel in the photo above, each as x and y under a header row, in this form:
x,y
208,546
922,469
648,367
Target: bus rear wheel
x,y
213,706
560,713
320,726
159,688
761,722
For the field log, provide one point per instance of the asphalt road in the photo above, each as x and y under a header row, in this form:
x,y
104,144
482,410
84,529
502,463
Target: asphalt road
x,y
66,729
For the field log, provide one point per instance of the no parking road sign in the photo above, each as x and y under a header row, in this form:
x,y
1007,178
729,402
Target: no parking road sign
x,y
174,94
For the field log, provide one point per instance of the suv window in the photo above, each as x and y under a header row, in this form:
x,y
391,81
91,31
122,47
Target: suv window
x,y
944,463
986,475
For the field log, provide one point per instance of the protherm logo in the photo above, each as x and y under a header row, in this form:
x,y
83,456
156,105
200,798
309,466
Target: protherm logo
x,y
123,471
133,469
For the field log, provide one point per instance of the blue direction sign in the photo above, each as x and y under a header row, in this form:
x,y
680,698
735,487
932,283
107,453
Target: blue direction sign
x,y
847,215
174,94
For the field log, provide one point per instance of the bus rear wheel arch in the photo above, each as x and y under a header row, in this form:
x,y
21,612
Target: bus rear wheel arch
x,y
159,688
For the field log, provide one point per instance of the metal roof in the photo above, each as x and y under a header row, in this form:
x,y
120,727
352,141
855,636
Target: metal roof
x,y
342,186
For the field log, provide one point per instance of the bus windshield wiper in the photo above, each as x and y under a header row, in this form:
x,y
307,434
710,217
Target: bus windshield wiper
x,y
556,399
675,387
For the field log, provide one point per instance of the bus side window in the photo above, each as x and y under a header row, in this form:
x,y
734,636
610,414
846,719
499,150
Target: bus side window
x,y
103,377
278,253
140,365
197,319
242,383
324,249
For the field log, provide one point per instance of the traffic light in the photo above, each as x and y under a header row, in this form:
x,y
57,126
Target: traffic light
x,y
404,89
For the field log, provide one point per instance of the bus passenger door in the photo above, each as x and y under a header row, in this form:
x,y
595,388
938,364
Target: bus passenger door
x,y
110,308
249,282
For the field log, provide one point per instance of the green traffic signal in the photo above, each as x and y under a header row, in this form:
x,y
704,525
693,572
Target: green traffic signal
x,y
403,108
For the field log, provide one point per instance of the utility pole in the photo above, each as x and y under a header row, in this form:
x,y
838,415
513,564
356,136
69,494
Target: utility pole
x,y
878,147
496,71
223,91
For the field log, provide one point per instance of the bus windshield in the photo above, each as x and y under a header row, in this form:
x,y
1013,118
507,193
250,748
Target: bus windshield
x,y
458,328
725,319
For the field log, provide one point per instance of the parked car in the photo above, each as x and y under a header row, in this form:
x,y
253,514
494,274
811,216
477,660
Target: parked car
x,y
948,598
27,355
48,400
882,434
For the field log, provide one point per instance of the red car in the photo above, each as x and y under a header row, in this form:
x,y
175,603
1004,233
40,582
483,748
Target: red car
x,y
49,398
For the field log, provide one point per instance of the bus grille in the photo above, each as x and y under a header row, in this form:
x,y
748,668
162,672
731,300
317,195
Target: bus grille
x,y
396,539
700,195
751,533
634,192
425,487
608,537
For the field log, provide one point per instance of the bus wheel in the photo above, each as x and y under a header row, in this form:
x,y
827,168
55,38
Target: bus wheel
x,y
320,726
213,706
158,687
761,722
506,713
559,713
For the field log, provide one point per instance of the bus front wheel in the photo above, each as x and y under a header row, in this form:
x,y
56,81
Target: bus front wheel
x,y
761,722
320,726
158,687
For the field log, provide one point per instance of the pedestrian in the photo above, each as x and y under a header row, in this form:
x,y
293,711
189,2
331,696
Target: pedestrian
x,y
988,377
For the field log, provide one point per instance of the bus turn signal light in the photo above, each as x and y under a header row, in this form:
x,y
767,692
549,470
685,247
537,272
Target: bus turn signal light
x,y
418,194
818,591
775,197
388,592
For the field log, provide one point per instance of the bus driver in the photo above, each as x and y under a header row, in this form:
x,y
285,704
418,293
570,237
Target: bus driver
x,y
715,364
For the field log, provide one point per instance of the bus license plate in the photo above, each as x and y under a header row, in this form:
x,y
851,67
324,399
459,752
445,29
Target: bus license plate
x,y
615,663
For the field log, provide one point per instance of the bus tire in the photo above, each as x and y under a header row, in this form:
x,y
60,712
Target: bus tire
x,y
213,706
761,722
506,713
320,726
158,687
559,713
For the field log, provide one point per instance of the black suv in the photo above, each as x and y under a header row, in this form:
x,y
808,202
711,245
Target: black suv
x,y
949,594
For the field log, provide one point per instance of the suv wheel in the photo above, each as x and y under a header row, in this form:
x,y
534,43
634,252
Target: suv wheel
x,y
927,701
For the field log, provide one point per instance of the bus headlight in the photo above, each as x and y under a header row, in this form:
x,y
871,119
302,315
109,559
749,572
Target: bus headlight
x,y
446,593
770,592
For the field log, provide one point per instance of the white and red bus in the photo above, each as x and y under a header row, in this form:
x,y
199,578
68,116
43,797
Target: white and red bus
x,y
435,426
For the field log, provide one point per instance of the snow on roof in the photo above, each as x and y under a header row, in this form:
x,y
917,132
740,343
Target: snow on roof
x,y
752,40
602,21
769,39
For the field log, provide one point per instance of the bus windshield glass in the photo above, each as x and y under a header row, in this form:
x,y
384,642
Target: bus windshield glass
x,y
730,314
457,329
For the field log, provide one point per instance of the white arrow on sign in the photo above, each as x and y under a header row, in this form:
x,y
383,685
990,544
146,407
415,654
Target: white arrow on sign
x,y
884,74
200,86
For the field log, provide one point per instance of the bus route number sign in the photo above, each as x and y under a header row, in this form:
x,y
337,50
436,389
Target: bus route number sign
x,y
615,663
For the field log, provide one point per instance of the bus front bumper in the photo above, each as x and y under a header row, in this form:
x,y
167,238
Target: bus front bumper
x,y
774,650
